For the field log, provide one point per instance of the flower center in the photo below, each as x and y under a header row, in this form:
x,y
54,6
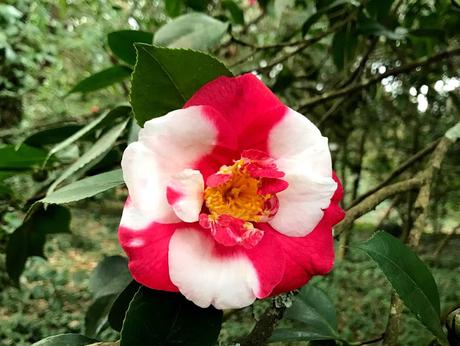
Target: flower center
x,y
238,196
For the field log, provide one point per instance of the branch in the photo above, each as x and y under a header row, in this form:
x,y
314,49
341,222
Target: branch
x,y
397,71
397,171
264,327
374,200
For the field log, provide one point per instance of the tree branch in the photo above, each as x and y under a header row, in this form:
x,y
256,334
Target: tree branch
x,y
264,327
397,71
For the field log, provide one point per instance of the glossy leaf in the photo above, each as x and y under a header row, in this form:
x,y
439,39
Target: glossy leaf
x,y
160,83
29,238
96,315
84,188
101,146
22,158
409,277
52,135
121,304
343,46
166,318
192,30
122,43
316,314
65,340
102,79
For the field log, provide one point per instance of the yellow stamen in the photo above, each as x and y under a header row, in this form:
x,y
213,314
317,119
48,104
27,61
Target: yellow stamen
x,y
237,197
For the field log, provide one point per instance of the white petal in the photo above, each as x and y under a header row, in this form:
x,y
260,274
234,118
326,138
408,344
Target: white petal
x,y
166,146
133,218
187,189
302,153
205,277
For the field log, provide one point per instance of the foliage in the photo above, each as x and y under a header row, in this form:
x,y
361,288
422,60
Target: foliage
x,y
378,78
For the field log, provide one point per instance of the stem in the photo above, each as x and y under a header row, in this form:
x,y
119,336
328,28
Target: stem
x,y
264,327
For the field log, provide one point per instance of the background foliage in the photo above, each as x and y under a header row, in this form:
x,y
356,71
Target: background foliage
x,y
380,79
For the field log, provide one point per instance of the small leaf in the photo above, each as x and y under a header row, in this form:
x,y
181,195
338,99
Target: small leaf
x,y
122,43
65,340
166,318
52,135
173,8
316,313
409,277
160,83
236,12
110,276
112,115
22,158
96,315
101,146
121,304
84,188
192,30
454,132
344,45
317,15
102,79
29,238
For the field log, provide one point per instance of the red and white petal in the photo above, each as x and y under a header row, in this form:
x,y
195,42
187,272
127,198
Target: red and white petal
x,y
185,194
206,276
246,103
166,146
147,249
302,153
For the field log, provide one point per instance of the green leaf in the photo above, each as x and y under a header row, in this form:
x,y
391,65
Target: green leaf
x,y
101,146
29,238
317,15
65,340
173,7
110,116
370,27
409,277
379,8
110,276
22,158
192,30
236,12
313,308
122,43
454,132
160,83
102,79
343,46
166,318
120,305
52,135
84,188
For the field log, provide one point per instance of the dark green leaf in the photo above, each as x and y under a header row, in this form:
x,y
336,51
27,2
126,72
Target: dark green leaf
x,y
65,340
317,15
102,79
409,277
29,238
166,318
110,276
313,308
87,187
99,148
22,158
236,12
197,5
379,8
160,83
121,304
52,135
173,7
96,315
344,45
192,30
122,43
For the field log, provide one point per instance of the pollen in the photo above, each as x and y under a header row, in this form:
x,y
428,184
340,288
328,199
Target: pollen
x,y
236,197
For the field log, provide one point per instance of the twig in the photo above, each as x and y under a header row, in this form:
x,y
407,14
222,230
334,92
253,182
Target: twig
x,y
397,71
398,170
264,327
374,200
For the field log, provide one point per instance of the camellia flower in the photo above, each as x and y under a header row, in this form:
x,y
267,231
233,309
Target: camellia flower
x,y
231,198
